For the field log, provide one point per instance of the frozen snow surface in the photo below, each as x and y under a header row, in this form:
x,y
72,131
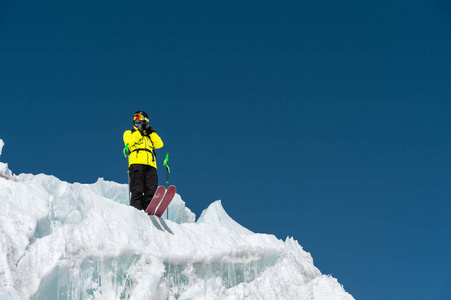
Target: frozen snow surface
x,y
4,171
83,241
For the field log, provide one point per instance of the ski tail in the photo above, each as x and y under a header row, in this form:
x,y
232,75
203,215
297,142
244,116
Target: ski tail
x,y
168,196
157,198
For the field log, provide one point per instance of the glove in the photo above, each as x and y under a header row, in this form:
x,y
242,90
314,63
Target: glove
x,y
148,129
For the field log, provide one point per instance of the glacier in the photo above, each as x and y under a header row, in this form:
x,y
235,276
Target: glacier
x,y
61,240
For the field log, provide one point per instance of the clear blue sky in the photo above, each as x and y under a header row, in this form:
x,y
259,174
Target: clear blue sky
x,y
323,120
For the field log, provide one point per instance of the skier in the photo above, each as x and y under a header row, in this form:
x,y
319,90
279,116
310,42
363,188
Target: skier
x,y
141,142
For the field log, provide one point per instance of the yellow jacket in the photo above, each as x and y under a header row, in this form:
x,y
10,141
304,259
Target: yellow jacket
x,y
142,147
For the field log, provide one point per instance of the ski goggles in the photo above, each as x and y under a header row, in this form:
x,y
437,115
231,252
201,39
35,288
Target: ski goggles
x,y
139,117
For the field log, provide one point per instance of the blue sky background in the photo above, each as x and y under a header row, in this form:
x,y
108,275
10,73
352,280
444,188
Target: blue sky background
x,y
323,120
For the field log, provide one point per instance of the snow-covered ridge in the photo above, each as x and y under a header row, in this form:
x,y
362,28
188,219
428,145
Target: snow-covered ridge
x,y
83,241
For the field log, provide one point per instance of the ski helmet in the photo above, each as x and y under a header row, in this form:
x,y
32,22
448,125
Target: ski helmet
x,y
140,116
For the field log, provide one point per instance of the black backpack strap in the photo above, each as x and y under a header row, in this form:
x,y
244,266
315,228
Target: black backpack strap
x,y
154,154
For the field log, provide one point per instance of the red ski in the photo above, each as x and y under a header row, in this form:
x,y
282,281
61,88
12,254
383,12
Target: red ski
x,y
159,194
170,193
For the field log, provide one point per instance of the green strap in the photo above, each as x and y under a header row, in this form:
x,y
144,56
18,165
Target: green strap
x,y
168,170
165,163
126,151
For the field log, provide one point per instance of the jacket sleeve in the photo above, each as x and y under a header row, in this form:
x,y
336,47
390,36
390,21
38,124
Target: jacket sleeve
x,y
132,138
126,137
156,140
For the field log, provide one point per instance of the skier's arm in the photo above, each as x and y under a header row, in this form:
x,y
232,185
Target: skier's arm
x,y
135,137
156,140
132,138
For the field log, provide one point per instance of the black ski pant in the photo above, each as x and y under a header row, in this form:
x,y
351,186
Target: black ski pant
x,y
143,184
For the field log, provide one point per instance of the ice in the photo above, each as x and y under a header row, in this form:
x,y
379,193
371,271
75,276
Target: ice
x,y
83,241
216,215
4,171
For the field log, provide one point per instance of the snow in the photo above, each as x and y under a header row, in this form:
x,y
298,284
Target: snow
x,y
83,241
4,171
